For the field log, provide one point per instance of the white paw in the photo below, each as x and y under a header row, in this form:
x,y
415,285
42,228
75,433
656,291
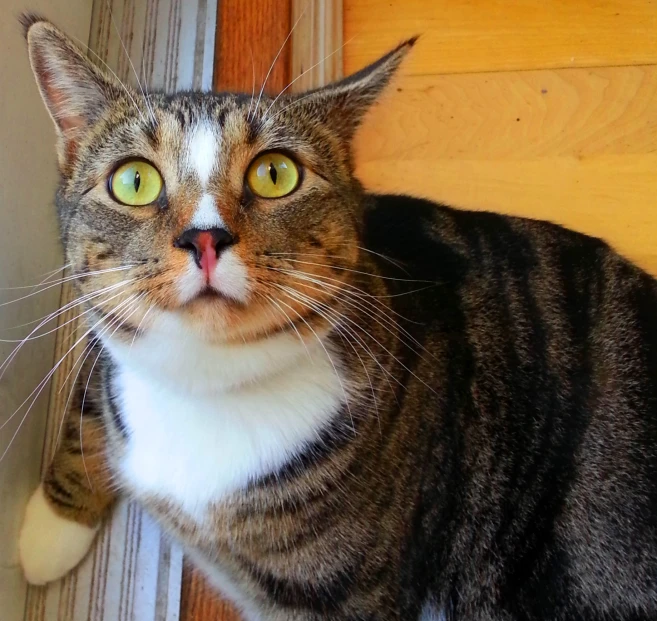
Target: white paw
x,y
49,545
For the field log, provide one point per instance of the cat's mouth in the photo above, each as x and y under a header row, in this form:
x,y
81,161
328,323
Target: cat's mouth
x,y
209,296
209,293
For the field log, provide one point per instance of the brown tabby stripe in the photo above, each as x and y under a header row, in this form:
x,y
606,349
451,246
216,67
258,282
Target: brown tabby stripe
x,y
131,573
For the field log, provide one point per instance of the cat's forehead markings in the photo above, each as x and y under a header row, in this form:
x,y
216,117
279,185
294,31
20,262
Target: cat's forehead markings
x,y
203,141
206,215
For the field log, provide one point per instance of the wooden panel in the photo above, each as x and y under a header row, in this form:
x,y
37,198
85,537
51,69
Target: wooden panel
x,y
577,146
493,35
515,115
250,34
200,603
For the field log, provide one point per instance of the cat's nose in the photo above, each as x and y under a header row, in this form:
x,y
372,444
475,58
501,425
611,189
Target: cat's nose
x,y
205,244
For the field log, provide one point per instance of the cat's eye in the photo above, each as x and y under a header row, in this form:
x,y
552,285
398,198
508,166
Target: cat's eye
x,y
136,183
272,175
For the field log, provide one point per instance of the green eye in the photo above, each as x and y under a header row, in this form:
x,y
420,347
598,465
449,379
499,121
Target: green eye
x,y
272,175
136,183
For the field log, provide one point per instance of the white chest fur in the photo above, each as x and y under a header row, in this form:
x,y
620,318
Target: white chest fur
x,y
195,446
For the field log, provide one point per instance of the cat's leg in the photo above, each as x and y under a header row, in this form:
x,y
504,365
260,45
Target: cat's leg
x,y
64,514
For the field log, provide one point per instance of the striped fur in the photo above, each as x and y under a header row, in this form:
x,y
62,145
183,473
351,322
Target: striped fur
x,y
388,409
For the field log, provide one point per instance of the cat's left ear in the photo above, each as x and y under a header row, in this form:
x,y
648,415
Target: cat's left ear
x,y
76,92
343,104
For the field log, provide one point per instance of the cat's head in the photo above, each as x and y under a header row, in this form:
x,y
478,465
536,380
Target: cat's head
x,y
227,211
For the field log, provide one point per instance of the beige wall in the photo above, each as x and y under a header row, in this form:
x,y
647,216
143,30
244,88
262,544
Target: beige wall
x,y
29,248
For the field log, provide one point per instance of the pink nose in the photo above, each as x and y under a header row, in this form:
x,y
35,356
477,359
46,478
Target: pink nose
x,y
206,245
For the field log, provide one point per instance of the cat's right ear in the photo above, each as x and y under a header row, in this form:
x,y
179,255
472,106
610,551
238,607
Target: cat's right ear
x,y
342,105
76,92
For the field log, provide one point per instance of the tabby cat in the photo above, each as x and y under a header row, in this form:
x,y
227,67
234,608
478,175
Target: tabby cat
x,y
344,406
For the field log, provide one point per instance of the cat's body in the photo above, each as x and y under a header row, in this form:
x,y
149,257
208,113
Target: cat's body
x,y
505,488
455,418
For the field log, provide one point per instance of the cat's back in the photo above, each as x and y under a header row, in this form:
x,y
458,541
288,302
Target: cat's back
x,y
545,344
543,317
516,268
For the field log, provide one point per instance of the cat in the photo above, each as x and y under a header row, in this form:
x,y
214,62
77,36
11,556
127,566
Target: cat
x,y
345,406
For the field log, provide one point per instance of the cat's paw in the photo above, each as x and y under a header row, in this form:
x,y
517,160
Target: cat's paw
x,y
49,545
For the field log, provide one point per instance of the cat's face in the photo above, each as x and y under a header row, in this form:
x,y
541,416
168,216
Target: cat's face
x,y
229,212
208,247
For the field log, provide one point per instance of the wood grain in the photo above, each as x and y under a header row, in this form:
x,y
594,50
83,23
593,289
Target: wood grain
x,y
250,34
495,35
574,146
200,603
515,115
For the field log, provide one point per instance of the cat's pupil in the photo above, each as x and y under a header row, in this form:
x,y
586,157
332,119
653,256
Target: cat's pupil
x,y
137,182
273,173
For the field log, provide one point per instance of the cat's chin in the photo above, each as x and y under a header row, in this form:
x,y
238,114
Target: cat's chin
x,y
207,312
209,295
210,304
219,319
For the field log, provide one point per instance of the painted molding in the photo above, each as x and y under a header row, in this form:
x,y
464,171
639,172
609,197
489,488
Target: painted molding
x,y
317,43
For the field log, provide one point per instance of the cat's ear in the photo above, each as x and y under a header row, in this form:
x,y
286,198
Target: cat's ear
x,y
344,103
76,92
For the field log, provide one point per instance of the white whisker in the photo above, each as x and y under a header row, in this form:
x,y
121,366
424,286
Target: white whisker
x,y
275,59
88,348
59,327
248,114
341,326
264,116
296,101
351,321
65,280
73,304
132,308
125,50
48,276
346,269
373,312
325,281
335,370
34,395
329,256
150,308
289,320
341,331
